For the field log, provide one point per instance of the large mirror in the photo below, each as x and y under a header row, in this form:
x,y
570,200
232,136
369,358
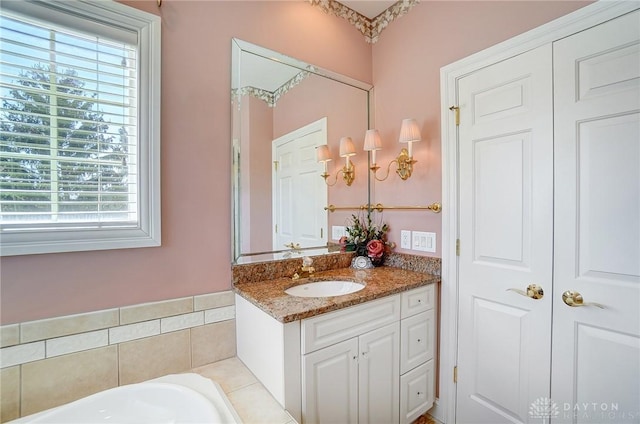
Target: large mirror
x,y
282,110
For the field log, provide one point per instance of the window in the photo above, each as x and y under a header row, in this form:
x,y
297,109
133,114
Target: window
x,y
79,127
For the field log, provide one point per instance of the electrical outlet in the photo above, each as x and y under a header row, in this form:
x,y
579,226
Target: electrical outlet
x,y
405,239
338,231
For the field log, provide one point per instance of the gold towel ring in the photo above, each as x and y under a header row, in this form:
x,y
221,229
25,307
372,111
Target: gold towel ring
x,y
159,3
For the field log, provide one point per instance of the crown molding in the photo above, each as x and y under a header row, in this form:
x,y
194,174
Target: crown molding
x,y
370,28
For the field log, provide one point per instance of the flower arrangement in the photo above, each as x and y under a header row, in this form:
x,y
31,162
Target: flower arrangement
x,y
366,238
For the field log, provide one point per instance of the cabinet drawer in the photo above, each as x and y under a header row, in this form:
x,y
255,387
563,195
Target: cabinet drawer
x,y
333,327
417,340
416,392
418,300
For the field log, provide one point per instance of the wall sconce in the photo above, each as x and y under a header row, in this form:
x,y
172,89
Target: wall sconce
x,y
347,149
409,133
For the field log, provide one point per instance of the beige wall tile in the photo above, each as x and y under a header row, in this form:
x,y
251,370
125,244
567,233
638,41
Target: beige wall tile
x,y
22,353
55,381
64,326
9,394
126,333
231,374
77,342
155,310
155,356
213,300
213,342
180,322
219,314
9,335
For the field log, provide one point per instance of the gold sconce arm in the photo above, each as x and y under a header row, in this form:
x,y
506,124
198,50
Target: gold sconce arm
x,y
348,175
404,164
326,176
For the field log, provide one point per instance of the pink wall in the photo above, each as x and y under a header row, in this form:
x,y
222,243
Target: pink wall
x,y
258,146
347,116
195,256
406,75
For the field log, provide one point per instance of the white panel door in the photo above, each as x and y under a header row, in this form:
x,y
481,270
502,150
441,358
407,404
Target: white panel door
x,y
379,374
596,350
299,194
505,232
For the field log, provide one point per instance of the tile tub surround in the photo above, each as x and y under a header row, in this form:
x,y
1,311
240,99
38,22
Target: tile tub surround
x,y
90,352
383,281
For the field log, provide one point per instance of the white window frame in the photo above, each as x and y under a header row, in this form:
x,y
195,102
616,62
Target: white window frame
x,y
116,17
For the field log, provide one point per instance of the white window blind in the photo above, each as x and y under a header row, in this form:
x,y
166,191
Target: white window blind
x,y
69,130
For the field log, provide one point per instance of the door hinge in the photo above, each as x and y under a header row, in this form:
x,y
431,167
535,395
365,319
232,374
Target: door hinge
x,y
456,109
276,228
457,247
321,232
275,165
455,374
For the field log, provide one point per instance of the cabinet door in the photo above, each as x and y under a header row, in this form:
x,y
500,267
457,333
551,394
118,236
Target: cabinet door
x,y
416,392
330,384
378,370
417,338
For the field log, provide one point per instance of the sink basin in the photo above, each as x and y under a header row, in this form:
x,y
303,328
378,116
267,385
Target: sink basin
x,y
324,289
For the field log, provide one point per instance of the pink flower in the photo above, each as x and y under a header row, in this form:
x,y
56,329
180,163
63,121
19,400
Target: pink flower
x,y
375,249
343,243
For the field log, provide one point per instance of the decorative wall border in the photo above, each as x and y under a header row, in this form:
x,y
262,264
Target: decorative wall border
x,y
370,28
270,98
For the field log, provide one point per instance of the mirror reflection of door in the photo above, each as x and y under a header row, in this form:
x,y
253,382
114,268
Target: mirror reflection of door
x,y
299,192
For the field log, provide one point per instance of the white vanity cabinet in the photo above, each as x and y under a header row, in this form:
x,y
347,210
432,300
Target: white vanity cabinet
x,y
351,364
368,363
417,351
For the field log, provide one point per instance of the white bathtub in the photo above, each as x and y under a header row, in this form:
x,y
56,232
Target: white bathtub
x,y
175,399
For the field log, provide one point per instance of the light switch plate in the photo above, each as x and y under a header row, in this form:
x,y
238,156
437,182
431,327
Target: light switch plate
x,y
431,242
423,241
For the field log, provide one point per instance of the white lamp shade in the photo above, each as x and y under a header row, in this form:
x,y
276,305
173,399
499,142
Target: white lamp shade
x,y
323,154
346,147
372,140
409,132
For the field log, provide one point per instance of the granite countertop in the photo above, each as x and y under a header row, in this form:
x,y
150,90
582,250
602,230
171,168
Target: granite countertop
x,y
379,282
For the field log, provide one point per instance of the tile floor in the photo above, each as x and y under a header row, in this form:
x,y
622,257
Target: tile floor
x,y
253,403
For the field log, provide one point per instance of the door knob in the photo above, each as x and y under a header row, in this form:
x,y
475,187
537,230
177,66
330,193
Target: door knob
x,y
574,299
534,291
